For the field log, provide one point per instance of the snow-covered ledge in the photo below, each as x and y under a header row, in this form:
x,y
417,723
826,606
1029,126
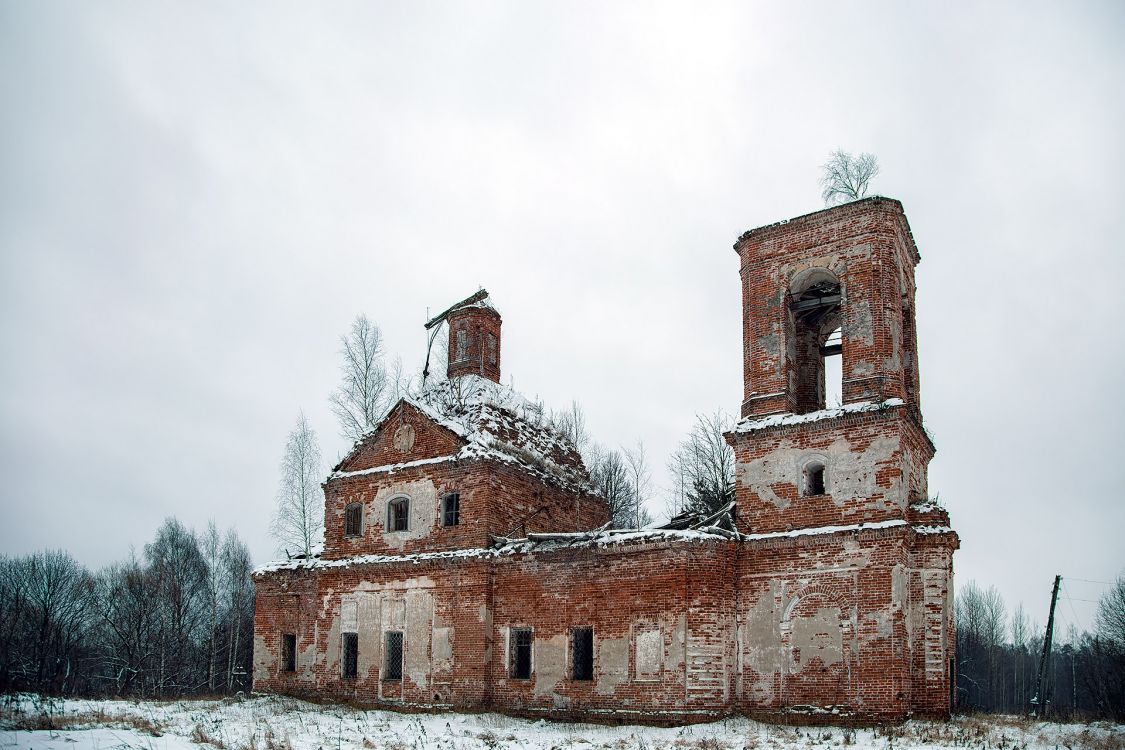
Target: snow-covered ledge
x,y
777,420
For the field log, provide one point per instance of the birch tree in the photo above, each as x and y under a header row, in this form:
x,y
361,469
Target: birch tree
x,y
360,399
298,523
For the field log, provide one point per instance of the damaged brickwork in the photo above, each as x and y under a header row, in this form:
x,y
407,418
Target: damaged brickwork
x,y
481,574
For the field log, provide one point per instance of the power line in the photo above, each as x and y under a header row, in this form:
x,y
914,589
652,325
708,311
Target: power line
x,y
1087,580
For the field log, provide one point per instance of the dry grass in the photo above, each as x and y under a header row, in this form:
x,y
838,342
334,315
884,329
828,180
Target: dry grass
x,y
201,736
44,716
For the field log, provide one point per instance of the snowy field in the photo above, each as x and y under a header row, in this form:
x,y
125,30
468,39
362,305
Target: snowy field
x,y
273,723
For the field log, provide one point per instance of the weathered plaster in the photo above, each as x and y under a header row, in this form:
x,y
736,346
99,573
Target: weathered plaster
x,y
817,637
419,616
613,664
849,474
423,510
550,665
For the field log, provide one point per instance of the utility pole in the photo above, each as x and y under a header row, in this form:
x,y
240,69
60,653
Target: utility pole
x,y
1039,702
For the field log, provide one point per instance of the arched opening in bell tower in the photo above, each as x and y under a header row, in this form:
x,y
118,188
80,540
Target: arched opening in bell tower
x,y
816,348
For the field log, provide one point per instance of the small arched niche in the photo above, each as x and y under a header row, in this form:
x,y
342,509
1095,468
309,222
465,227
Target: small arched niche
x,y
813,478
816,316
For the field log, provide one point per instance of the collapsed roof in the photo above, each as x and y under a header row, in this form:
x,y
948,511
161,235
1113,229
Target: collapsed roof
x,y
495,422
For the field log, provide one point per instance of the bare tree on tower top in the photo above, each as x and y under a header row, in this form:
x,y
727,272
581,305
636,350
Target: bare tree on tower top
x,y
299,521
847,177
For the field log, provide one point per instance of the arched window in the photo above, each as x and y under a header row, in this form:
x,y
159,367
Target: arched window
x,y
353,520
813,479
398,514
815,304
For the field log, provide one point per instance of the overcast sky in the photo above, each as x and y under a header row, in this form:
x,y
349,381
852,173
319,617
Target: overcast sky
x,y
197,198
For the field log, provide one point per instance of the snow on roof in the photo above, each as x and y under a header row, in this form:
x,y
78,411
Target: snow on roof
x,y
497,423
596,539
933,530
819,530
316,563
777,420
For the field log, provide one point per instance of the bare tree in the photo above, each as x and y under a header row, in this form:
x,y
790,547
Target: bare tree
x,y
846,177
702,467
180,574
360,399
611,476
1110,621
298,523
641,478
237,570
571,424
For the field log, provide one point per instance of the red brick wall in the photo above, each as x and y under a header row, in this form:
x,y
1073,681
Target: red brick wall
x,y
478,323
868,247
378,448
496,497
841,622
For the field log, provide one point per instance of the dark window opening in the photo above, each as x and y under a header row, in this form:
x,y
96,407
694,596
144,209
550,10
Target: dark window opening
x,y
520,666
817,343
814,479
398,515
351,654
582,653
392,655
288,652
353,520
451,509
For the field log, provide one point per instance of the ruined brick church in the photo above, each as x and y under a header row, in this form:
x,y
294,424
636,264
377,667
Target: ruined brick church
x,y
468,562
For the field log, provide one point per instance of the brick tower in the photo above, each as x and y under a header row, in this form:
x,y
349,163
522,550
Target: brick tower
x,y
848,269
853,471
474,337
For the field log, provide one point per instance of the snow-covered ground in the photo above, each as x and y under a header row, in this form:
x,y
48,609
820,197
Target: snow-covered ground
x,y
274,723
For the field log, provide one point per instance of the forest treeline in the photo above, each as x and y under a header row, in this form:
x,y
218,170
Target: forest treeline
x,y
178,620
998,657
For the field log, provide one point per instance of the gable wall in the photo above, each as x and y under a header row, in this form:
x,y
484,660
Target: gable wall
x,y
379,449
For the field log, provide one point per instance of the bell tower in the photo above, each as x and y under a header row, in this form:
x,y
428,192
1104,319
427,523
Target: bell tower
x,y
835,283
474,337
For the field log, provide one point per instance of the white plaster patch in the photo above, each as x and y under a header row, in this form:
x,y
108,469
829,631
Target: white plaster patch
x,y
650,654
613,664
849,474
423,510
550,664
817,637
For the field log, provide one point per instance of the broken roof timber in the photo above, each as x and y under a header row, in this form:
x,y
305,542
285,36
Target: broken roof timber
x,y
470,300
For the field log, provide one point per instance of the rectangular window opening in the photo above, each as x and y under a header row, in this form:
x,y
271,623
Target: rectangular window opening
x,y
520,653
451,509
351,654
582,653
392,655
289,652
353,520
398,515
